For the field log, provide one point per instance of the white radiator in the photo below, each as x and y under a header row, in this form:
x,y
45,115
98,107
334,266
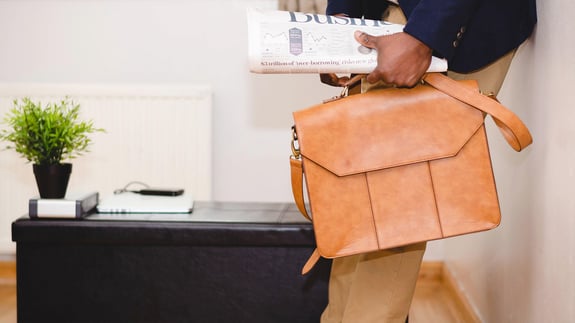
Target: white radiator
x,y
157,134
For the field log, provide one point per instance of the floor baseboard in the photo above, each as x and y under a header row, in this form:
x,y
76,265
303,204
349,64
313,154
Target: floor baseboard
x,y
459,297
435,272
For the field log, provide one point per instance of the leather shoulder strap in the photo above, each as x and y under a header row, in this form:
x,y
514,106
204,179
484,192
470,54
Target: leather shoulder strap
x,y
297,185
512,128
298,195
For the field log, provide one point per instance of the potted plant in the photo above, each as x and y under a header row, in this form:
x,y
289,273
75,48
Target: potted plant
x,y
46,136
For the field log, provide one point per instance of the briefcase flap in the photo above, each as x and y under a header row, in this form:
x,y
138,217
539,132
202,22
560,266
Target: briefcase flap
x,y
385,128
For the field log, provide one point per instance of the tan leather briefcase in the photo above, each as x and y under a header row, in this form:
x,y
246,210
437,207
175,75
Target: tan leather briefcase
x,y
397,166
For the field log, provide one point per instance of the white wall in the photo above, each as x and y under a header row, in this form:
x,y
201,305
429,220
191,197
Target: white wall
x,y
524,271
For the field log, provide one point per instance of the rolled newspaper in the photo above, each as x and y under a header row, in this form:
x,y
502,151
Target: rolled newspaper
x,y
283,42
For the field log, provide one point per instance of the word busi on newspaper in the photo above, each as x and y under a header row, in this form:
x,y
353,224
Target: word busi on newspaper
x,y
294,42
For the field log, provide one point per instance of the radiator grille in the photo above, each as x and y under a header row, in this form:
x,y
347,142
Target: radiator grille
x,y
157,134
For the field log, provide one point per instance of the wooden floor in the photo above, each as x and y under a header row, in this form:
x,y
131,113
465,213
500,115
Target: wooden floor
x,y
434,301
437,298
7,303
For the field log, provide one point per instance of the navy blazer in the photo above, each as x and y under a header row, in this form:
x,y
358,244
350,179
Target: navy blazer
x,y
470,34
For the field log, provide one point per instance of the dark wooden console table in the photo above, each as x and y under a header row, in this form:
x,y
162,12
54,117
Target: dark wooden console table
x,y
224,262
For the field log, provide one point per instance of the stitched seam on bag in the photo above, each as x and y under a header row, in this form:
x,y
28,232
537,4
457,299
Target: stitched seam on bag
x,y
372,212
435,198
490,162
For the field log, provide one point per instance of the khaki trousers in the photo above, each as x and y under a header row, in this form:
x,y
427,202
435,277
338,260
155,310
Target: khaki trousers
x,y
378,287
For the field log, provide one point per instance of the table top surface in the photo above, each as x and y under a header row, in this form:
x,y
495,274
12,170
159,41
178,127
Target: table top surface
x,y
240,222
205,211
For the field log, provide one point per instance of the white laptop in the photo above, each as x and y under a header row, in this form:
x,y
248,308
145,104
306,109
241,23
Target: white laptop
x,y
129,202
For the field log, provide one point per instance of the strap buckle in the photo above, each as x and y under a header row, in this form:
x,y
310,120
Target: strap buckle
x,y
343,94
294,144
345,91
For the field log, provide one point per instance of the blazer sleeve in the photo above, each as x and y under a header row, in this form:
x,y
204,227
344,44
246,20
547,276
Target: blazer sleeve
x,y
348,7
369,9
440,24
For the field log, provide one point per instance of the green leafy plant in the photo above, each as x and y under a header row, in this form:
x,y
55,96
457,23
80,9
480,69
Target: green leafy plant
x,y
47,135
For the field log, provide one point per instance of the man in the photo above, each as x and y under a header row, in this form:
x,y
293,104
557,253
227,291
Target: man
x,y
478,38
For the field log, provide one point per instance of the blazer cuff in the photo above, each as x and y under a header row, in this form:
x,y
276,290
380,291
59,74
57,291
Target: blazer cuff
x,y
441,24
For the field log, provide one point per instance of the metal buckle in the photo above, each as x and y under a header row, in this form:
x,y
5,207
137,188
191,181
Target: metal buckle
x,y
343,94
345,91
294,144
490,95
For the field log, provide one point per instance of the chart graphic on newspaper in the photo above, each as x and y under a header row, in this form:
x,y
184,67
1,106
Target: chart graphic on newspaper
x,y
293,42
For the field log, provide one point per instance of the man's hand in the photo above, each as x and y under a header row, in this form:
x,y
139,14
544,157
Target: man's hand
x,y
402,59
